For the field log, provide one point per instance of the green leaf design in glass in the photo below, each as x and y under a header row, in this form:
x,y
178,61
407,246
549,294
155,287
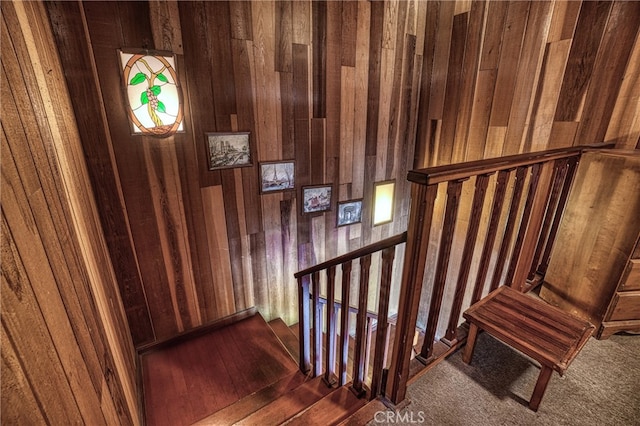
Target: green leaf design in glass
x,y
161,107
162,78
155,90
138,78
144,98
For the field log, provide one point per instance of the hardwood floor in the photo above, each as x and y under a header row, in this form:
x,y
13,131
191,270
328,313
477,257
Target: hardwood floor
x,y
195,378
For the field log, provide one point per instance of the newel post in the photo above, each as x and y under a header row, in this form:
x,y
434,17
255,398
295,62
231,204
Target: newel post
x,y
422,203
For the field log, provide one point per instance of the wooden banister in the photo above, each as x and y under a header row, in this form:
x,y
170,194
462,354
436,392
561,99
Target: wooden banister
x,y
324,318
519,239
517,243
356,254
448,172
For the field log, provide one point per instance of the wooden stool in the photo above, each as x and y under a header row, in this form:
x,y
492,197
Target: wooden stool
x,y
543,332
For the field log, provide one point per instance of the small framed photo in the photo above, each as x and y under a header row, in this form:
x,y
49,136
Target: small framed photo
x,y
349,212
277,176
316,198
227,150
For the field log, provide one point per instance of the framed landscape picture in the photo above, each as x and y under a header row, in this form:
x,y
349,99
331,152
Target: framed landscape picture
x,y
316,198
227,150
277,176
349,212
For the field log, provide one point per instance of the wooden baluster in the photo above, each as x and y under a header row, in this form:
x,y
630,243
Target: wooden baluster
x,y
454,189
330,345
511,221
367,351
344,324
383,321
317,324
304,329
524,223
422,202
467,255
492,231
559,174
544,262
359,355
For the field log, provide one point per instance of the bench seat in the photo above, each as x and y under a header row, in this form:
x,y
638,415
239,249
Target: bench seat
x,y
543,332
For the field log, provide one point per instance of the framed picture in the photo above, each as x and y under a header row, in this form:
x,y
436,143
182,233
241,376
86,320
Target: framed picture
x,y
277,176
227,150
349,212
316,198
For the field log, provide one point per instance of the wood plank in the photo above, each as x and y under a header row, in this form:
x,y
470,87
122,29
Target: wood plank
x,y
529,68
249,404
349,27
240,20
512,38
331,409
614,51
548,89
580,64
319,31
451,108
289,404
216,230
283,36
564,20
624,126
443,40
470,64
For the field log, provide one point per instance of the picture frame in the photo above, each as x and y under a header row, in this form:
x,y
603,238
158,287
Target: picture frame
x,y
228,150
276,176
316,198
349,212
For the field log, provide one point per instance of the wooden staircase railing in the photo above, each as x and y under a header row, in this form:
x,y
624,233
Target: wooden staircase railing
x,y
525,234
309,288
527,194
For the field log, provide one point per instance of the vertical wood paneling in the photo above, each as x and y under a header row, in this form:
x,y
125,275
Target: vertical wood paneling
x,y
71,359
352,91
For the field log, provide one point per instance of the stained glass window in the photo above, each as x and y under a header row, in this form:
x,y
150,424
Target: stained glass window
x,y
153,93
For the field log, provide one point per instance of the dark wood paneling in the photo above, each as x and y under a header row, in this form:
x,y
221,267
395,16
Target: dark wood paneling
x,y
352,91
67,350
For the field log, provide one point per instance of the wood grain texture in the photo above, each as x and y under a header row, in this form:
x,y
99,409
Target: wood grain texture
x,y
352,91
69,351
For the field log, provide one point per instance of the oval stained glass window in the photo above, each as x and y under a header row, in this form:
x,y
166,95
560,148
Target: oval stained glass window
x,y
153,93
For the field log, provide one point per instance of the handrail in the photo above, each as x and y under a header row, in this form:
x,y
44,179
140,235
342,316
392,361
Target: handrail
x,y
457,171
363,251
312,349
536,187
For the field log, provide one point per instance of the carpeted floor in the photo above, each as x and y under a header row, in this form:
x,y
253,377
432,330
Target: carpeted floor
x,y
601,387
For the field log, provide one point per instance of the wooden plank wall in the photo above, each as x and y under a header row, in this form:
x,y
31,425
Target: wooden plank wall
x,y
342,88
503,78
67,352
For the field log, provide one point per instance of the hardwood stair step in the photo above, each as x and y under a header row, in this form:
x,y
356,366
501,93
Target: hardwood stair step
x,y
330,410
251,403
289,404
287,337
364,414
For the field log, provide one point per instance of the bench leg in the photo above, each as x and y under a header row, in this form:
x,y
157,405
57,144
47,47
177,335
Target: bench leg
x,y
471,343
541,387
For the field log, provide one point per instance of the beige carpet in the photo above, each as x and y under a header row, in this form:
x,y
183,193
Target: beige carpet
x,y
601,387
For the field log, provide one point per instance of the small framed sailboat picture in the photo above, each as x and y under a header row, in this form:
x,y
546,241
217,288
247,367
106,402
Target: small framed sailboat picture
x,y
277,176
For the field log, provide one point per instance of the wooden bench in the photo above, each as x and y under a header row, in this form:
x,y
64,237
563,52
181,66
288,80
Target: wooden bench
x,y
541,331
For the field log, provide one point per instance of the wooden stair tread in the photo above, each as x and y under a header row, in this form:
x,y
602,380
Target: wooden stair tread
x,y
289,404
287,337
364,414
202,375
250,404
330,410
